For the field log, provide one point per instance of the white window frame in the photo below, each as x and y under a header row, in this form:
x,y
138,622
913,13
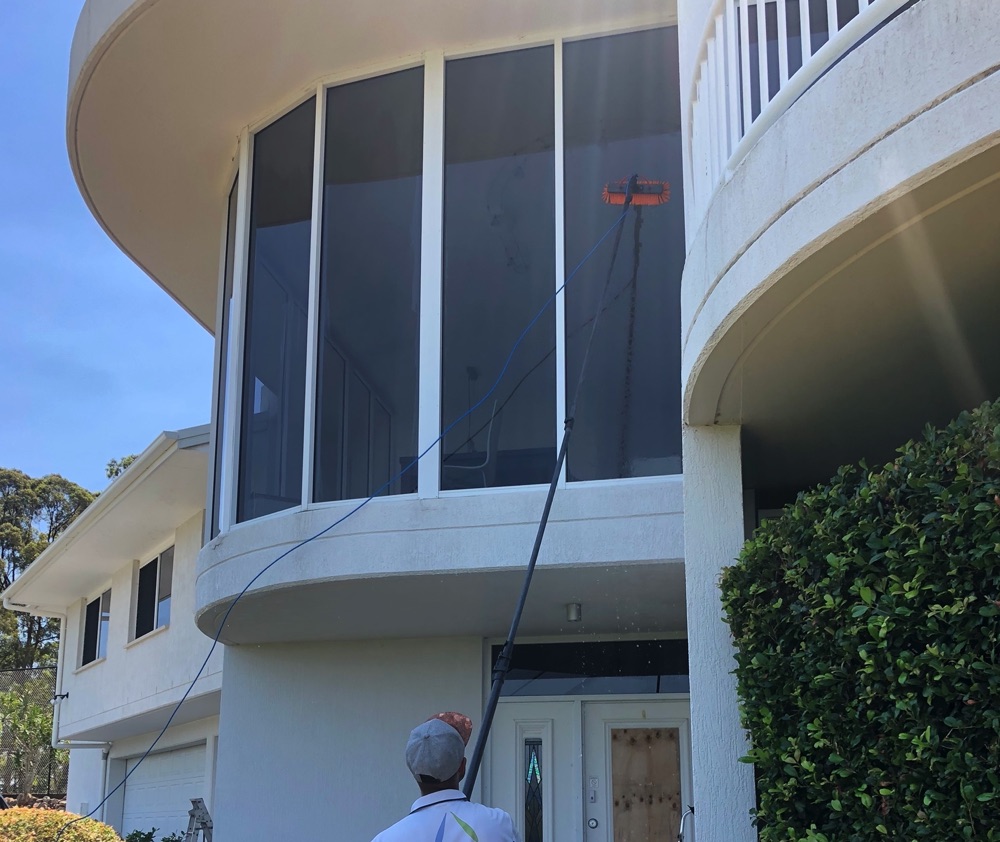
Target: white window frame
x,y
431,305
134,612
85,603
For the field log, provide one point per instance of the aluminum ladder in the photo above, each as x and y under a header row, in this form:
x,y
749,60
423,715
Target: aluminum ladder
x,y
200,822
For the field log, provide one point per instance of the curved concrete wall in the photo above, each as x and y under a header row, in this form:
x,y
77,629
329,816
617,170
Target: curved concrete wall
x,y
915,99
464,549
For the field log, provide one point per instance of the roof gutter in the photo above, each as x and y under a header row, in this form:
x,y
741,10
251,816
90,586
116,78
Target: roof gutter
x,y
147,461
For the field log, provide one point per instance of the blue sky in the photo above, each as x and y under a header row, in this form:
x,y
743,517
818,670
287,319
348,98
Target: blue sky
x,y
95,359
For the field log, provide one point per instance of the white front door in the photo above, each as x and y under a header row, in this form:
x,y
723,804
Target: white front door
x,y
636,770
596,771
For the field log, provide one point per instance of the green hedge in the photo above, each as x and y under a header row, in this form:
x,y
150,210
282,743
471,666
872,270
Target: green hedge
x,y
867,623
20,824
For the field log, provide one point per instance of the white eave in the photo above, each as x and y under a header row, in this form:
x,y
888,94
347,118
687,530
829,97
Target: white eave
x,y
139,511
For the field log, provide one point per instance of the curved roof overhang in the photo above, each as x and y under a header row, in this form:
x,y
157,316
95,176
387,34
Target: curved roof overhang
x,y
160,91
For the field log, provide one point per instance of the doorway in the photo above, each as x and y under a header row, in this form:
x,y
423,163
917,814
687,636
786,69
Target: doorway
x,y
600,770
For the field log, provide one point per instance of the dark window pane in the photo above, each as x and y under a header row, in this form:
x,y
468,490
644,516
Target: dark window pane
x,y
165,591
818,23
218,488
622,116
329,484
533,790
358,437
580,669
499,267
370,277
145,600
277,303
92,621
381,447
794,28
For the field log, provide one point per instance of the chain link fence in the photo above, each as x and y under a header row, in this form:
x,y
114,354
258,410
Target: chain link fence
x,y
28,763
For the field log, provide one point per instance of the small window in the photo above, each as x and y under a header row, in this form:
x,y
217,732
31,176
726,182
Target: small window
x,y
153,593
97,618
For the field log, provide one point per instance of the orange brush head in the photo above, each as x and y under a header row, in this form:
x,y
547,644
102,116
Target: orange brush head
x,y
645,192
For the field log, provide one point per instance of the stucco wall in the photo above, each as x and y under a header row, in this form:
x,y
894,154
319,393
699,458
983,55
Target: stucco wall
x,y
148,673
312,736
86,771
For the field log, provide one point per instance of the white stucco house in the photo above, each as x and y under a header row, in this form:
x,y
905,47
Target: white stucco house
x,y
366,204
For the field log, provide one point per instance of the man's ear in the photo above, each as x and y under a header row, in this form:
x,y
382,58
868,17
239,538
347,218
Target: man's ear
x,y
461,769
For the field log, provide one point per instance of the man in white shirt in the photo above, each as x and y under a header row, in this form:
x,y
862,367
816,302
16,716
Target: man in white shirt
x,y
435,756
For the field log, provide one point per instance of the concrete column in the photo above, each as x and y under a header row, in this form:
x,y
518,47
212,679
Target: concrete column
x,y
713,535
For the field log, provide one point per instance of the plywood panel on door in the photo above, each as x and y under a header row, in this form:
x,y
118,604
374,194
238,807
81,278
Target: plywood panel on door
x,y
645,783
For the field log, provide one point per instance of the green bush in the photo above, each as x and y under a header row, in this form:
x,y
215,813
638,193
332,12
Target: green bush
x,y
867,623
20,824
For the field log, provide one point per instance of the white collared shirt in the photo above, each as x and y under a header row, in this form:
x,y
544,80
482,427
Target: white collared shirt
x,y
447,816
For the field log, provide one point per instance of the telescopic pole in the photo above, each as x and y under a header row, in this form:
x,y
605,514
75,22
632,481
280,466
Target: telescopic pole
x,y
502,665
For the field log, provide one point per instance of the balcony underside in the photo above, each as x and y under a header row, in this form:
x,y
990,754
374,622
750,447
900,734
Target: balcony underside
x,y
616,599
890,326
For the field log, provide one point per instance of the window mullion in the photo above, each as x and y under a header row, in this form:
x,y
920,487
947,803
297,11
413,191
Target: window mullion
x,y
237,338
560,244
431,233
312,318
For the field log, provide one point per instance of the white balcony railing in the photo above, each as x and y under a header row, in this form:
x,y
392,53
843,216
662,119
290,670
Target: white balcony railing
x,y
740,90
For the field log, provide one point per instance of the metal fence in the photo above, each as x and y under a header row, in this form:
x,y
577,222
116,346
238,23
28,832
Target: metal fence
x,y
28,764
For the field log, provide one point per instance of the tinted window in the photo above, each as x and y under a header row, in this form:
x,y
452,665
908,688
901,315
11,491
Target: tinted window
x,y
277,302
370,286
622,117
499,268
636,666
145,601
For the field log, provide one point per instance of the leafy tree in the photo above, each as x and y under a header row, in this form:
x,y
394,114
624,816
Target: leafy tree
x,y
26,731
116,467
33,513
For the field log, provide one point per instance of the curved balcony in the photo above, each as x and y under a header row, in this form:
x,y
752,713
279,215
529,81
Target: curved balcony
x,y
739,90
404,567
841,283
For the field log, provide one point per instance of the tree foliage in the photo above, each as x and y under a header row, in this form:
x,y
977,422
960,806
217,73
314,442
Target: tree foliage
x,y
26,731
867,623
116,467
33,513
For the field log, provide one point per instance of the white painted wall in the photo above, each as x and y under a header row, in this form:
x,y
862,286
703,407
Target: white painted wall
x,y
312,738
86,774
713,529
146,674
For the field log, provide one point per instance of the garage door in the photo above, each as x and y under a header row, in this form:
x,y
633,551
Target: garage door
x,y
159,792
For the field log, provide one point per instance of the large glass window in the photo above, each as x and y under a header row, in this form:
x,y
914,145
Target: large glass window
x,y
622,117
366,412
96,622
277,303
499,268
153,594
219,486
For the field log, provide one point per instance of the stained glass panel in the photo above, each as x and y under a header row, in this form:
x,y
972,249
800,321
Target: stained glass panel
x,y
533,790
